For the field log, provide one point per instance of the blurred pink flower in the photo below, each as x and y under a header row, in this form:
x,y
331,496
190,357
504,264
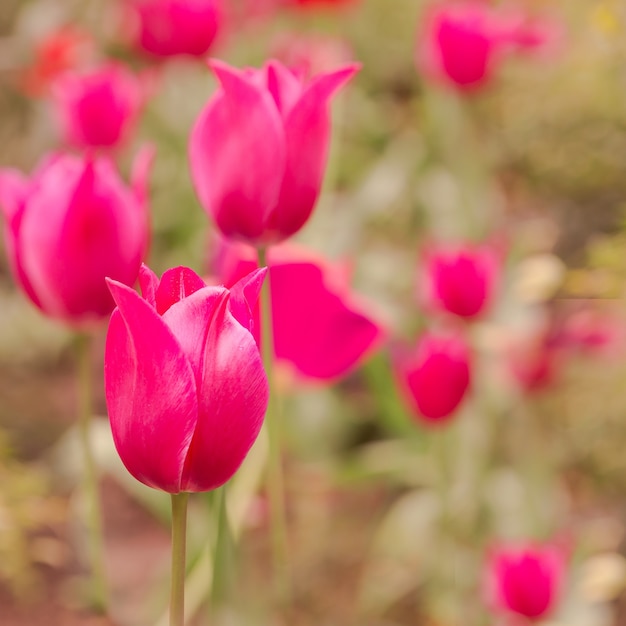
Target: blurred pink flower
x,y
460,279
435,375
322,331
70,225
258,150
463,42
185,385
98,108
525,579
167,28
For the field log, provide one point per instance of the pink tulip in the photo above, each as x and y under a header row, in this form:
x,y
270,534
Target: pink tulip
x,y
463,42
70,225
435,375
459,279
525,579
258,150
322,331
176,27
97,108
185,385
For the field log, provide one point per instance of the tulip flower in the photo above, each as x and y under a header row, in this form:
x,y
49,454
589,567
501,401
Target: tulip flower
x,y
69,226
321,330
463,42
169,28
459,279
184,381
435,376
525,579
97,108
258,150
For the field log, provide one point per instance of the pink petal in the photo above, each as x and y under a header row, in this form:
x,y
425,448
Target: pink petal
x,y
285,87
237,155
149,283
141,169
316,329
232,388
176,284
150,391
307,131
244,297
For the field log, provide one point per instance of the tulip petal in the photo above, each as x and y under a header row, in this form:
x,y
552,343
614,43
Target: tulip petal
x,y
307,124
176,284
149,283
142,166
244,295
150,391
237,155
232,402
315,328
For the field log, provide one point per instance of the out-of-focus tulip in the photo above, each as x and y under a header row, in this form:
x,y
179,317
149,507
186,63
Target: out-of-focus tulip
x,y
97,108
69,226
525,579
185,385
463,42
167,28
55,54
322,331
258,150
312,54
435,375
459,279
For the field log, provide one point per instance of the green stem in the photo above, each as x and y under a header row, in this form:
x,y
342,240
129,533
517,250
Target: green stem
x,y
90,485
275,477
179,547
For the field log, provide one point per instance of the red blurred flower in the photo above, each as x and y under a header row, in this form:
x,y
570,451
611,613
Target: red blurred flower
x,y
321,329
525,579
55,54
462,42
435,375
459,279
69,226
258,150
185,385
99,107
167,28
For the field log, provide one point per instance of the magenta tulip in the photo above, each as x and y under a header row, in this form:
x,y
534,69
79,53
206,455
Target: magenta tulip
x,y
258,150
435,376
322,331
525,579
459,279
184,381
463,42
98,108
169,28
69,226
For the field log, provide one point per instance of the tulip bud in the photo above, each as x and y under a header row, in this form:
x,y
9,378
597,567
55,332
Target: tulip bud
x,y
258,150
525,579
167,28
99,108
459,280
463,42
185,385
435,375
68,227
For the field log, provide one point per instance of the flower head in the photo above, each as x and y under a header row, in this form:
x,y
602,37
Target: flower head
x,y
258,150
185,385
73,223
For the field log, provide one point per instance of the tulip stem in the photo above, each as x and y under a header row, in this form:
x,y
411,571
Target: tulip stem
x,y
179,548
275,477
90,482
